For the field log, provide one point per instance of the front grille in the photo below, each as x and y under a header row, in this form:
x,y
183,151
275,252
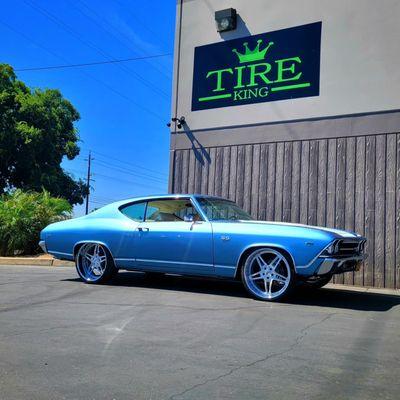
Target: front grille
x,y
349,247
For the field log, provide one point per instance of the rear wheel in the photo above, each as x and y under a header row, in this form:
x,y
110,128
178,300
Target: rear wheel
x,y
94,263
267,274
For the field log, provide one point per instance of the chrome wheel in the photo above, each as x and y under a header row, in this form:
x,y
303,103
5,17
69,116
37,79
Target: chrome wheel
x,y
91,262
267,274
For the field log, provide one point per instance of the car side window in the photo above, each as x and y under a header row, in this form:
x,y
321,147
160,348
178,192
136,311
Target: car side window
x,y
135,211
170,210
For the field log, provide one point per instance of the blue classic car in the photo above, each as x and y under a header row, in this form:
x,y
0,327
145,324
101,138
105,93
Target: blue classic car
x,y
204,236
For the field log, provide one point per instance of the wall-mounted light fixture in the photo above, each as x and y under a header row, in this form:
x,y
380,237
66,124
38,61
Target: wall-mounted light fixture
x,y
179,122
226,20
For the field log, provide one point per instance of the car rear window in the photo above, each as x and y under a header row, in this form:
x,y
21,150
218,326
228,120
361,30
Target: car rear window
x,y
135,211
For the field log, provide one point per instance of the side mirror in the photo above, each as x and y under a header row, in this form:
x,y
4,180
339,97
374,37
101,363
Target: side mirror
x,y
188,218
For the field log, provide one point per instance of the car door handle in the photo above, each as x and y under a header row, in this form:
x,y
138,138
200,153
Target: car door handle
x,y
143,229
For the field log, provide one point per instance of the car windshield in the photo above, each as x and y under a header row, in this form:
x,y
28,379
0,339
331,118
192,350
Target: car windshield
x,y
219,209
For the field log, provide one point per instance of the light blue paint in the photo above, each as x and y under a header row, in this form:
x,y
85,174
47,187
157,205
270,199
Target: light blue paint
x,y
208,248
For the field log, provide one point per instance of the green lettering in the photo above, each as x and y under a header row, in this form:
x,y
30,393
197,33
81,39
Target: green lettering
x,y
262,74
219,72
291,68
263,92
238,95
239,77
252,93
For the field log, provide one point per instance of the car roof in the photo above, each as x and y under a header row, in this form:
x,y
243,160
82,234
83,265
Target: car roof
x,y
111,208
163,196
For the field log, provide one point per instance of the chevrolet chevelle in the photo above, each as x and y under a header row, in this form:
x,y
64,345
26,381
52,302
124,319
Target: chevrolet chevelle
x,y
202,236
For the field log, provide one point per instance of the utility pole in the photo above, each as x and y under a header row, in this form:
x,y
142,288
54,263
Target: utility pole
x,y
88,182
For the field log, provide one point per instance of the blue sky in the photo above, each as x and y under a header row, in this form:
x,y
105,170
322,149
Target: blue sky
x,y
124,107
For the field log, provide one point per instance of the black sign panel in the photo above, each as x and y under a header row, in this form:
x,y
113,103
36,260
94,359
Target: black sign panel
x,y
271,66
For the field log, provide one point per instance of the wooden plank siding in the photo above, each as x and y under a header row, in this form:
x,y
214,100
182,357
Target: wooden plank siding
x,y
349,183
360,200
295,190
349,214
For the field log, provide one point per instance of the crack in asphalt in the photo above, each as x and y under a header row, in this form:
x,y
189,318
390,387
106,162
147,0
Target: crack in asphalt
x,y
30,282
43,301
173,306
53,328
297,340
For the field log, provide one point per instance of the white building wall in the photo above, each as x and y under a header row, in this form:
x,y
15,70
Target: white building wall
x,y
360,57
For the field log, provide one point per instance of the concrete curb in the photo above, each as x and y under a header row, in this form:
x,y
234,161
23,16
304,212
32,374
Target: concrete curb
x,y
45,262
362,289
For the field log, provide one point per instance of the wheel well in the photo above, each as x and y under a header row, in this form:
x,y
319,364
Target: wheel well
x,y
248,251
79,245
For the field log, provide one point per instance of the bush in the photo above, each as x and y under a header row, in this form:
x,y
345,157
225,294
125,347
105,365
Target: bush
x,y
23,215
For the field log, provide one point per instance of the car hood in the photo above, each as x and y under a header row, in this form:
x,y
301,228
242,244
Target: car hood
x,y
337,232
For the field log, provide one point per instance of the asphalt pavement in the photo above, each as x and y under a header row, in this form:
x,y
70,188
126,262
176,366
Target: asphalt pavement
x,y
180,338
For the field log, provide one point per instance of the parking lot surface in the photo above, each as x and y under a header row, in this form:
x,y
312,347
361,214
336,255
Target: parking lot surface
x,y
180,338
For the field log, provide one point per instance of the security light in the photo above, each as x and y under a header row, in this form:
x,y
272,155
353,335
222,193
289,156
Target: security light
x,y
180,121
225,20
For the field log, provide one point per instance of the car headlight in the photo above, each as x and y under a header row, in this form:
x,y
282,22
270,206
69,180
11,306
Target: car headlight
x,y
331,249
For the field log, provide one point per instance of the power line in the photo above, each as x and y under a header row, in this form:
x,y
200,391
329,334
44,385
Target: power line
x,y
128,172
101,204
147,177
89,44
101,18
112,178
141,174
129,163
91,63
107,177
104,160
118,93
101,198
123,170
138,20
88,182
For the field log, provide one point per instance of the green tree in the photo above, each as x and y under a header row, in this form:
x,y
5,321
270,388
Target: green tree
x,y
23,215
36,131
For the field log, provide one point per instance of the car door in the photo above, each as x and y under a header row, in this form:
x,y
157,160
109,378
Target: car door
x,y
174,238
126,243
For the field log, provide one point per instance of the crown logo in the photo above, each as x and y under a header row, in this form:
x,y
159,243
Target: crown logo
x,y
252,55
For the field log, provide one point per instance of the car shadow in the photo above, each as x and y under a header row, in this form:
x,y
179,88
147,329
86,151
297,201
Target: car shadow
x,y
344,299
325,297
178,283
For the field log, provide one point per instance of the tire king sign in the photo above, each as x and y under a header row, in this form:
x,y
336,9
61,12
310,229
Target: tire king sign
x,y
271,66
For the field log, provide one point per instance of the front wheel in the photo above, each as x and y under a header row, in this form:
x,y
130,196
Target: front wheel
x,y
94,263
267,274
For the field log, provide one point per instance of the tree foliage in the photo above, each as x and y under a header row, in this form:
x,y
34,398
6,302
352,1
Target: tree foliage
x,y
23,215
36,131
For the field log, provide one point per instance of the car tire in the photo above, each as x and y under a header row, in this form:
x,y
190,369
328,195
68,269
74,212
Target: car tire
x,y
94,263
267,274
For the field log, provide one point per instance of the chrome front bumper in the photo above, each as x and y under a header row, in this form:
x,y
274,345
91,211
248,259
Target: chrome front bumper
x,y
42,245
333,265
